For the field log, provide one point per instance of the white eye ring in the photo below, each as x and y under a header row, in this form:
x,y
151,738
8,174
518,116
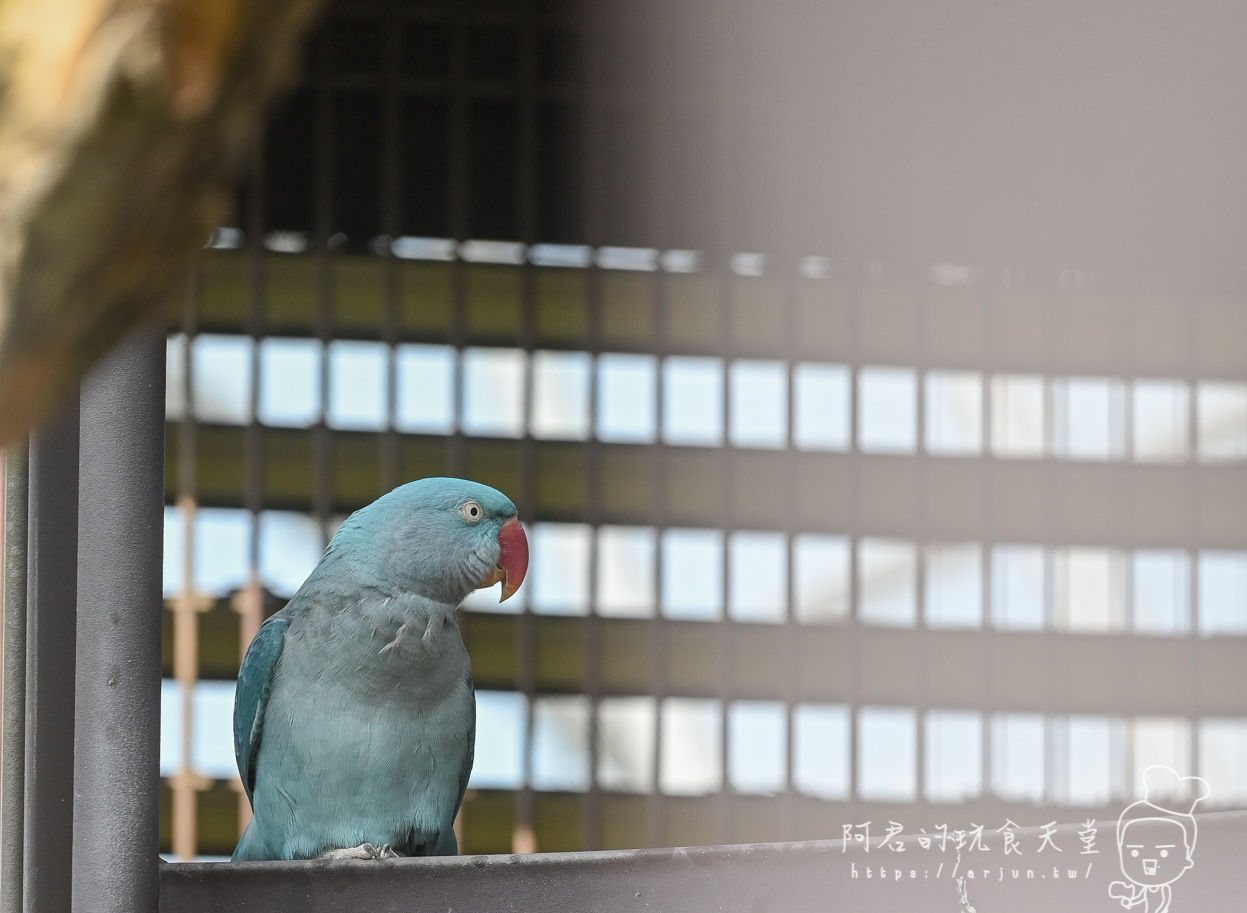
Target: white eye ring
x,y
471,511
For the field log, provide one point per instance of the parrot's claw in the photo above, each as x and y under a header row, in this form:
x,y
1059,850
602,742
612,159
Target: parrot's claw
x,y
363,851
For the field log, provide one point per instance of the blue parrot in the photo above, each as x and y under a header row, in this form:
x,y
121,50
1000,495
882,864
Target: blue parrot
x,y
354,714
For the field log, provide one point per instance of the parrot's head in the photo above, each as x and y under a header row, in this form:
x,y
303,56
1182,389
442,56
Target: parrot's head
x,y
441,538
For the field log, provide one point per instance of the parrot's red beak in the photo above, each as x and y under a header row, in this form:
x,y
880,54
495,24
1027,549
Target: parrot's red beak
x,y
512,559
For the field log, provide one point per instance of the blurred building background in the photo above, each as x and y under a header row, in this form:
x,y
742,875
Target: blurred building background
x,y
872,379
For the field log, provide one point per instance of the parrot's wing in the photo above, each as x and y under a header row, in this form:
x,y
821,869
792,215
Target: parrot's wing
x,y
466,770
447,844
255,678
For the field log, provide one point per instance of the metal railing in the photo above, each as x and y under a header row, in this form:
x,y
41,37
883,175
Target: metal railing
x,y
1032,870
82,645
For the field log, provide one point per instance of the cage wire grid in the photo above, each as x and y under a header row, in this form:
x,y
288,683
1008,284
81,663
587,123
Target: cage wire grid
x,y
330,247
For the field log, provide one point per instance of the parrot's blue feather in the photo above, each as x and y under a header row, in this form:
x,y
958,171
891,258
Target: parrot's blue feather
x,y
449,845
254,680
355,716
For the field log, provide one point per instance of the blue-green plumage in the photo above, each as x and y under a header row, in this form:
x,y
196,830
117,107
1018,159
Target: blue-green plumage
x,y
354,717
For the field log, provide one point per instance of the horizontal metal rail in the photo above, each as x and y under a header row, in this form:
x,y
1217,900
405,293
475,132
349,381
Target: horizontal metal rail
x,y
1029,330
489,817
1101,673
1061,503
1001,867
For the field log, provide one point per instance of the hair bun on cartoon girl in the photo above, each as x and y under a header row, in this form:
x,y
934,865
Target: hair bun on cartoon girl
x,y
1148,835
1164,789
1166,794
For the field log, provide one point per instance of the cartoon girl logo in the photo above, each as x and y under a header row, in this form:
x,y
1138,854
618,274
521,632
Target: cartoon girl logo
x,y
1156,839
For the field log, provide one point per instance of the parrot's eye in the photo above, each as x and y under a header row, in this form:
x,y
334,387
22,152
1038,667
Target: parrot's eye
x,y
471,511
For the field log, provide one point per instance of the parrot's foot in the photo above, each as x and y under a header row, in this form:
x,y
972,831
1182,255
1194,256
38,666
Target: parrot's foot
x,y
363,851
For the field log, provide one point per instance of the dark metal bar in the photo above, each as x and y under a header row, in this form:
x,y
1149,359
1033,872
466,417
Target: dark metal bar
x,y
184,811
323,226
591,195
250,602
52,584
727,107
457,216
921,534
790,244
525,205
1194,509
658,811
991,669
16,506
853,695
388,209
117,709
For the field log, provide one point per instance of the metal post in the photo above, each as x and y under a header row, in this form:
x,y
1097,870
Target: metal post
x,y
16,502
52,583
120,514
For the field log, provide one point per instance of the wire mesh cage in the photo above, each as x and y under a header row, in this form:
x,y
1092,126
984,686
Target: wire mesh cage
x,y
882,445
